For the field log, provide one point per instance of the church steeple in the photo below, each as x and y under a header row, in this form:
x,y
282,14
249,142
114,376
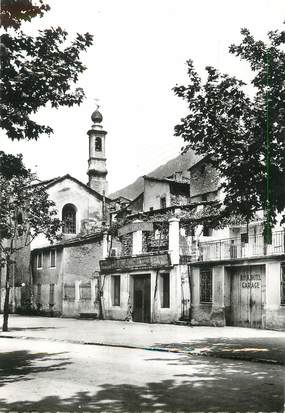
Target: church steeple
x,y
97,170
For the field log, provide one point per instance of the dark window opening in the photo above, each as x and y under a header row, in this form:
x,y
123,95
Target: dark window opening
x,y
116,290
165,290
204,197
53,258
244,238
69,219
98,144
51,294
113,252
163,202
206,286
207,231
40,260
282,284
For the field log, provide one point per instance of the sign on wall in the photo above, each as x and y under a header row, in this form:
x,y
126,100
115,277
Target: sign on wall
x,y
250,280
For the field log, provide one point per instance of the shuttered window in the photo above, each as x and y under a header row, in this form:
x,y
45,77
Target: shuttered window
x,y
53,258
51,294
165,290
116,290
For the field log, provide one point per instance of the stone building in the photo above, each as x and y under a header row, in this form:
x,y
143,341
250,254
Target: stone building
x,y
236,278
176,263
63,277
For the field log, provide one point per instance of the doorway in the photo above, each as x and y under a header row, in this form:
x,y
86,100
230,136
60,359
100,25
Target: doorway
x,y
141,304
247,296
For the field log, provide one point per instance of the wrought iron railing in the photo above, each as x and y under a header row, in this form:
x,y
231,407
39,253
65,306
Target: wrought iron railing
x,y
233,248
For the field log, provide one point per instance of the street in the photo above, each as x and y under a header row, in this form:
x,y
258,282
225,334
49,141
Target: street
x,y
39,375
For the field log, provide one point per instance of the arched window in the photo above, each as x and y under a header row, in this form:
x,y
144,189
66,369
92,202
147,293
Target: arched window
x,y
69,219
98,144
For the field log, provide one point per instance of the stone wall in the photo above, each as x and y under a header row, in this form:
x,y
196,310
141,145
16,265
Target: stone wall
x,y
204,178
127,244
150,243
179,199
81,262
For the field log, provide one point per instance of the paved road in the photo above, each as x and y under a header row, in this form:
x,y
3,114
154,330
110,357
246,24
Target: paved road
x,y
43,376
232,342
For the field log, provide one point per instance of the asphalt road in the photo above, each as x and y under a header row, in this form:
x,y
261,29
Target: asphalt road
x,y
39,375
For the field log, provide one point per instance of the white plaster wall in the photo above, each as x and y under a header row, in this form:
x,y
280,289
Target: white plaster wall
x,y
88,206
157,313
272,272
153,190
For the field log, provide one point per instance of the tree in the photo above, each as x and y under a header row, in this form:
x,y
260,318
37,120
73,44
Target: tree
x,y
25,212
14,12
36,71
243,135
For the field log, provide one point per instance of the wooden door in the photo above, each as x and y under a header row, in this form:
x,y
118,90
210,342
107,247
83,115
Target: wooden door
x,y
247,295
141,306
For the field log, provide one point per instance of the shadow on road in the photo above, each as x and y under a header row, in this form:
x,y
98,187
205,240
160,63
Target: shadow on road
x,y
22,365
31,328
211,385
272,349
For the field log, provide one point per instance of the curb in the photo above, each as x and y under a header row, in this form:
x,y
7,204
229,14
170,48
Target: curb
x,y
159,349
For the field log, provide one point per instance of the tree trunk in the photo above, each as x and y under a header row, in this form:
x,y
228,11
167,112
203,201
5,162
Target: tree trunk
x,y
6,302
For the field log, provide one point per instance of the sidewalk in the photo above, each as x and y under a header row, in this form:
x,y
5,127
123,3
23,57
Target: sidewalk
x,y
226,342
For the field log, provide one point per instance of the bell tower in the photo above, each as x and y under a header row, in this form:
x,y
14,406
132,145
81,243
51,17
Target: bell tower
x,y
97,170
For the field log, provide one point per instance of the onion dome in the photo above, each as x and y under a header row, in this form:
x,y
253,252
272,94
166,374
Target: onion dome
x,y
96,116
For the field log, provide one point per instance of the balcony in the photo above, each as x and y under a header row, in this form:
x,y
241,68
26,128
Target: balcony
x,y
135,262
233,248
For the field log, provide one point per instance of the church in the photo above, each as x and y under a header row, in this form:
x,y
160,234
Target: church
x,y
64,277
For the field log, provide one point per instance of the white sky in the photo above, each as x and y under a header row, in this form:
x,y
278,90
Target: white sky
x,y
139,54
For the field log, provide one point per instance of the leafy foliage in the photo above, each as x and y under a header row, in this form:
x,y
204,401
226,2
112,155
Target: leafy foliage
x,y
243,136
25,212
13,12
25,209
11,166
36,71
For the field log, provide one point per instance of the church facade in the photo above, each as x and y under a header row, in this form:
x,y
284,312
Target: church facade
x,y
64,276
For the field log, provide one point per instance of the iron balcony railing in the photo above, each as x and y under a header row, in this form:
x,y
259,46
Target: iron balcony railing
x,y
233,248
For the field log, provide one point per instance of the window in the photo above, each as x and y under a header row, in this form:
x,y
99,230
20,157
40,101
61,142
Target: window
x,y
85,291
282,284
244,238
98,144
207,232
69,292
53,258
164,290
51,294
69,219
40,260
151,208
204,197
163,202
206,286
113,252
116,289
